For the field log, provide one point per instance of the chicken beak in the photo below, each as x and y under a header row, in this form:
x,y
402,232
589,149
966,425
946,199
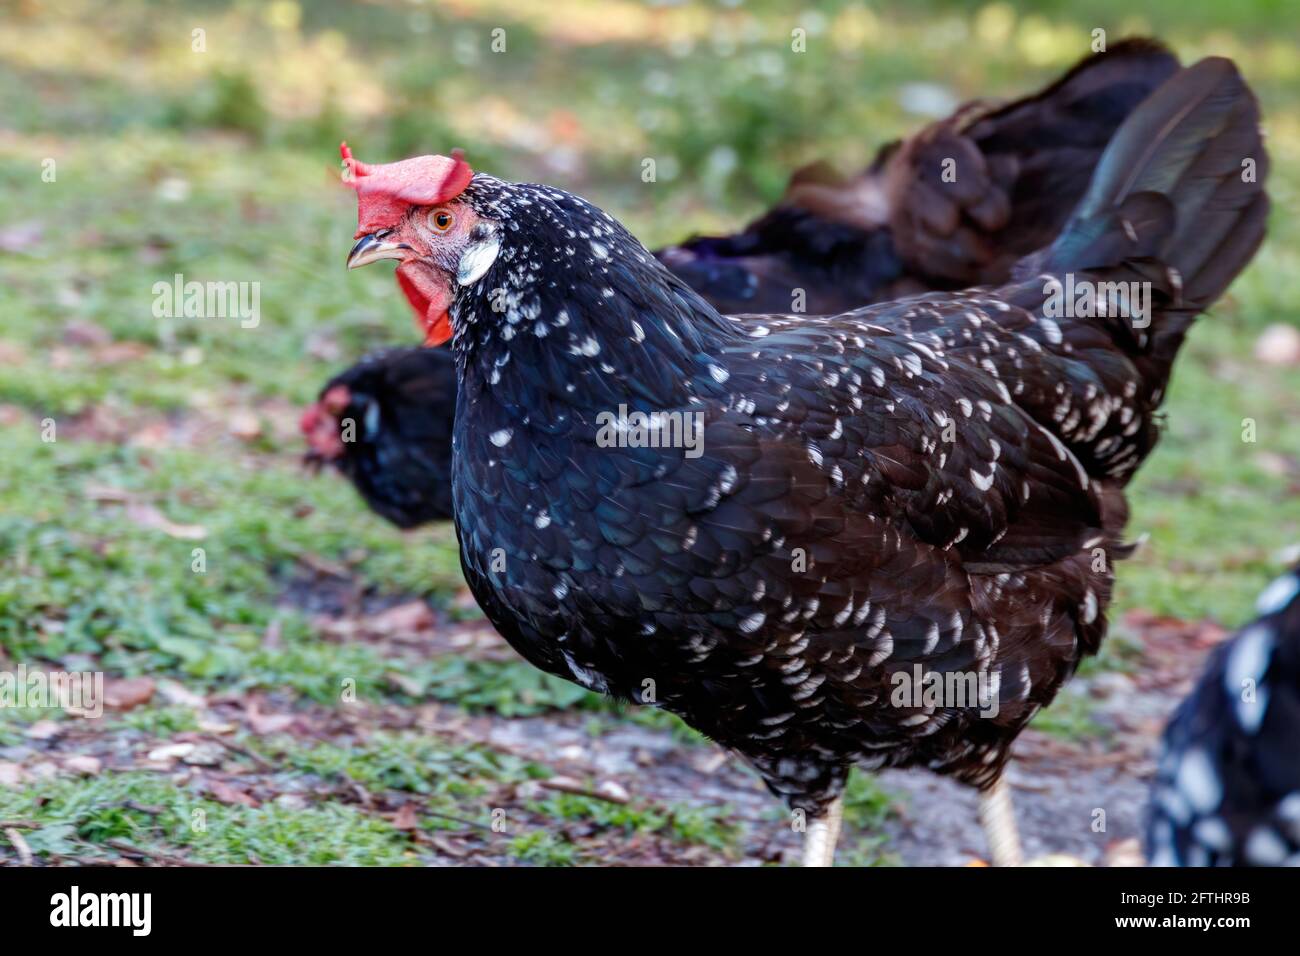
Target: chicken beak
x,y
373,247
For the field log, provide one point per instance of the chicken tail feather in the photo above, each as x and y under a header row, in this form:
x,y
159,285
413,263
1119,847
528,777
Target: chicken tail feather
x,y
1180,188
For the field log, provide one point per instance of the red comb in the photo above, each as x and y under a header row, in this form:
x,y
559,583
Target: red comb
x,y
384,191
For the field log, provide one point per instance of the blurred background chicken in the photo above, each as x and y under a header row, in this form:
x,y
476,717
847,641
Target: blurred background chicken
x,y
1227,789
385,424
897,228
909,222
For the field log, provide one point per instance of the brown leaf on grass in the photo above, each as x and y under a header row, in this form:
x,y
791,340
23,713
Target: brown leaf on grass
x,y
11,774
147,516
405,818
206,753
127,692
142,513
169,752
264,724
323,565
211,725
84,764
403,618
19,844
613,791
412,686
43,730
231,795
608,791
446,846
85,334
181,695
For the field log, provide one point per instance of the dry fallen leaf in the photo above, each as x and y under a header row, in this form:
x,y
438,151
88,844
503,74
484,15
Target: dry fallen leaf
x,y
83,764
412,686
405,819
223,792
181,695
84,333
128,692
402,618
205,754
267,723
43,730
211,725
168,752
613,791
11,774
147,516
19,844
447,847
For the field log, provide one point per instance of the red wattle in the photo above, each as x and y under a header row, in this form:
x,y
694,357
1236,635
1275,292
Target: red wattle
x,y
430,297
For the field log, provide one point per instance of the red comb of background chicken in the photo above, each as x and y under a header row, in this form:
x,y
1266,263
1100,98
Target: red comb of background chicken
x,y
386,190
320,423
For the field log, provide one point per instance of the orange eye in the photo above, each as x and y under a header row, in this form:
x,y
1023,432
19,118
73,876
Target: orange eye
x,y
441,220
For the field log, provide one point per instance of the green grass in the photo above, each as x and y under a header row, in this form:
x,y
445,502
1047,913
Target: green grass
x,y
219,165
78,818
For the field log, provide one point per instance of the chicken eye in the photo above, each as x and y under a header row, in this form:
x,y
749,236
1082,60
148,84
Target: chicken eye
x,y
441,220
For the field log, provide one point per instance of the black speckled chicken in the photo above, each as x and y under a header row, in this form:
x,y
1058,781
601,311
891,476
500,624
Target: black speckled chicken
x,y
769,524
1227,790
895,229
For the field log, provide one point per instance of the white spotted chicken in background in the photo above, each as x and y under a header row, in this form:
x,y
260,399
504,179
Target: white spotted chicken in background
x,y
1227,790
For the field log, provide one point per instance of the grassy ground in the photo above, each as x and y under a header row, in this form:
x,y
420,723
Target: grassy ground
x,y
173,435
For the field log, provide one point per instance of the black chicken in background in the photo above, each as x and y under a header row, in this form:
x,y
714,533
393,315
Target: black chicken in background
x,y
893,230
899,228
770,525
1227,789
386,424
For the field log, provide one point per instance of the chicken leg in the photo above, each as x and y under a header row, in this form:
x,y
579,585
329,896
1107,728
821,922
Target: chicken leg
x,y
823,832
998,818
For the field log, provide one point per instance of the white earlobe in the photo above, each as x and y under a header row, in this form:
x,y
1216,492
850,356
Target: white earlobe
x,y
477,259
